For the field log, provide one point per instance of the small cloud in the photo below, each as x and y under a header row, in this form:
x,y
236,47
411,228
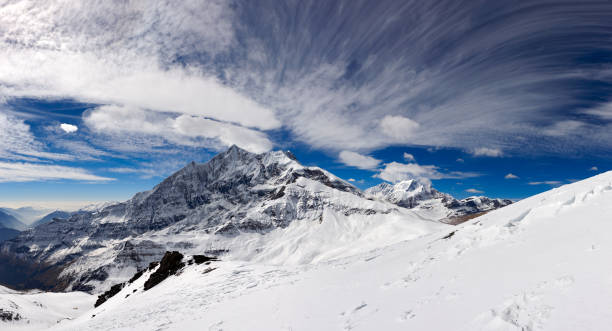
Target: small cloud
x,y
485,151
353,180
358,161
460,160
409,157
511,176
547,182
473,190
69,128
594,168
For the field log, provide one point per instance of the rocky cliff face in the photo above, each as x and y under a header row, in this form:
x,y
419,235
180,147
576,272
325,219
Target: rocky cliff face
x,y
233,193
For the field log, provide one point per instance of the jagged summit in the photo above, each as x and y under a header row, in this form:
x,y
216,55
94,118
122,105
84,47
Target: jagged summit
x,y
416,194
407,193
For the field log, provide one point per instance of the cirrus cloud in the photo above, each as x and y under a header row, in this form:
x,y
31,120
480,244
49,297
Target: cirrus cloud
x,y
28,172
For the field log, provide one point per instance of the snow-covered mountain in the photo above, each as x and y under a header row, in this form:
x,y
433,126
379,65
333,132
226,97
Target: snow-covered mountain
x,y
415,194
226,206
539,264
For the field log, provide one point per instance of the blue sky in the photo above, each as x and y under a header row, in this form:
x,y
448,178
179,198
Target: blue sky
x,y
99,102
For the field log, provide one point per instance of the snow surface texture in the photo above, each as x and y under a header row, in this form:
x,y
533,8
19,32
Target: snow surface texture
x,y
540,264
251,207
38,310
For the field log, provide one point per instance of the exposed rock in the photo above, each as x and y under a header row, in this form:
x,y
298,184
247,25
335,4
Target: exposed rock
x,y
109,294
168,266
199,259
9,316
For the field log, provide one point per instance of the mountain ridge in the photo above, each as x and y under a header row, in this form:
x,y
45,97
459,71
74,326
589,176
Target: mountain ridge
x,y
237,203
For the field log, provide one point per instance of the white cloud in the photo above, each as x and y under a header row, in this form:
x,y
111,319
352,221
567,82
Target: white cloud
x,y
396,172
358,161
351,179
511,176
485,151
184,130
460,160
409,157
399,127
18,143
27,172
548,182
111,54
603,111
205,59
473,190
69,128
564,128
593,168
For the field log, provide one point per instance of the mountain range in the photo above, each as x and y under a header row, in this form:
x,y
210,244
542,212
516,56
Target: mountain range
x,y
242,205
292,247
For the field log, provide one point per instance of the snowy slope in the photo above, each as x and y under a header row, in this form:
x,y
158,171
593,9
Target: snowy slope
x,y
38,310
540,264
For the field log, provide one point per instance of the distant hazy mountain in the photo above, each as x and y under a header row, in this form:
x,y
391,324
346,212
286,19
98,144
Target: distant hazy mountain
x,y
60,214
27,215
10,221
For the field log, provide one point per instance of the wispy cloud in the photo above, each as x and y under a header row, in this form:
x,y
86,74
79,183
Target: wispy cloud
x,y
547,182
473,190
27,172
455,74
18,143
485,151
187,130
511,176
